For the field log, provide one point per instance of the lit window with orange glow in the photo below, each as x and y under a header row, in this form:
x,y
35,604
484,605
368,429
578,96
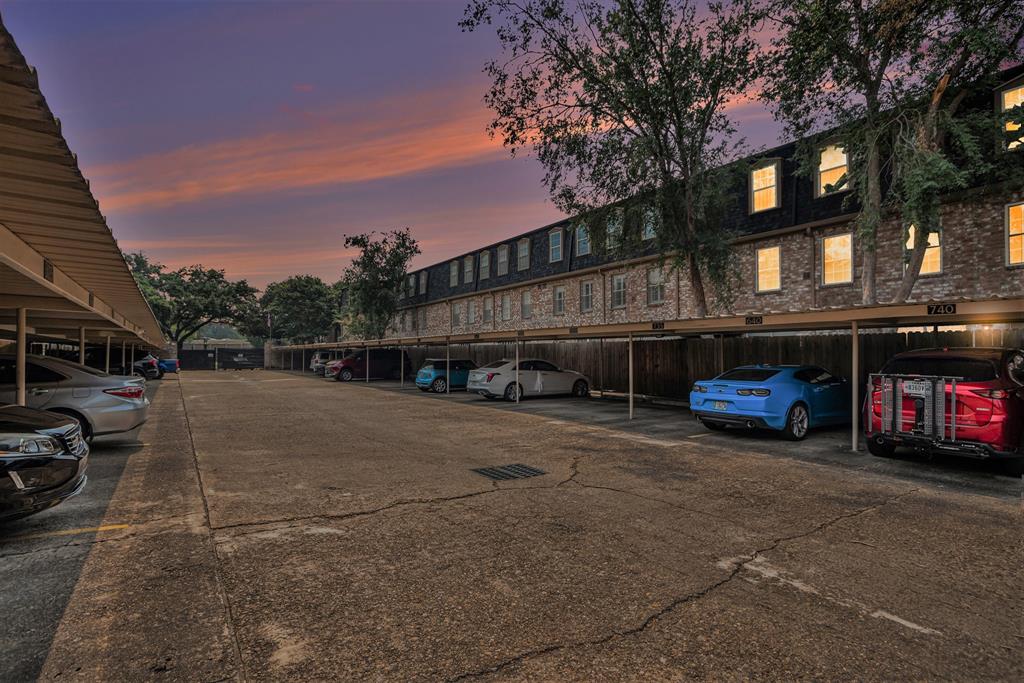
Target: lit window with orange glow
x,y
932,263
769,269
764,187
1012,97
837,259
1015,234
831,171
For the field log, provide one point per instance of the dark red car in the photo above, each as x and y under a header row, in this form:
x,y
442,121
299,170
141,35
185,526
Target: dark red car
x,y
911,403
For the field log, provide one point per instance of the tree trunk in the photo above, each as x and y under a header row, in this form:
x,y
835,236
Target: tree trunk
x,y
871,216
697,283
913,270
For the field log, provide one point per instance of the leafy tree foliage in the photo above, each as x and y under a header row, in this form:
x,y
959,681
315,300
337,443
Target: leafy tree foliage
x,y
373,281
186,299
889,78
624,99
301,308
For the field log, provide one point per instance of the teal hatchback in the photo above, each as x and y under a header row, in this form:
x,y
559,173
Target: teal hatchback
x,y
433,376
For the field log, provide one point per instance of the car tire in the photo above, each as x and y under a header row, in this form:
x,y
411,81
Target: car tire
x,y
798,422
139,373
345,375
880,448
580,389
510,391
439,385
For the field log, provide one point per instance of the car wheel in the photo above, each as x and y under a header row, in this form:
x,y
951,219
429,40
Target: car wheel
x,y
138,373
580,389
713,426
513,391
797,422
439,385
880,447
345,375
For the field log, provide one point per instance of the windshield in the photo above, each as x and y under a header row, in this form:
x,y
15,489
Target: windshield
x,y
966,369
748,375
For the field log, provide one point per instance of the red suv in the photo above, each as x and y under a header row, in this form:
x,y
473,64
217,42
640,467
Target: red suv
x,y
988,421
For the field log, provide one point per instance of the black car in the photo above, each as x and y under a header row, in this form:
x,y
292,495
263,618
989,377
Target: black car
x,y
42,460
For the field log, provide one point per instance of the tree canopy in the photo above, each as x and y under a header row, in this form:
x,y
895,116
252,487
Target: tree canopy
x,y
373,281
626,99
300,308
186,299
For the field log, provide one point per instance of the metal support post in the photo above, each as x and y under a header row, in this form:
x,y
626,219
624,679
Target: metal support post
x,y
854,384
19,360
401,366
106,367
81,345
447,367
367,364
517,391
631,377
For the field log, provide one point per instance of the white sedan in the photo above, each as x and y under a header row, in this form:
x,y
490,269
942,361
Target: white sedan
x,y
536,378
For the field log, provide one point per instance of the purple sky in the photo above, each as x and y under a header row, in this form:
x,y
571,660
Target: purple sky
x,y
250,136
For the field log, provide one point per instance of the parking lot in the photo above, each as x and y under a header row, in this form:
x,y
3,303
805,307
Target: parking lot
x,y
268,525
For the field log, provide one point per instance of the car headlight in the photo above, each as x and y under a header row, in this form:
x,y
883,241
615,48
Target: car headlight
x,y
29,445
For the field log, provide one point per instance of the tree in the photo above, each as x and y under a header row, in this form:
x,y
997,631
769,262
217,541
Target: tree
x,y
374,280
301,308
184,300
872,69
623,100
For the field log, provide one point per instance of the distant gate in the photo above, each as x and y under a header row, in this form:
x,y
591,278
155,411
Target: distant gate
x,y
220,358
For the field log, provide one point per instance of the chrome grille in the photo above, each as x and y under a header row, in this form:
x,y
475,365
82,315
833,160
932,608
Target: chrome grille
x,y
73,439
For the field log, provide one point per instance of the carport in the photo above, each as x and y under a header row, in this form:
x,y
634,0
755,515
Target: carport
x,y
63,278
853,319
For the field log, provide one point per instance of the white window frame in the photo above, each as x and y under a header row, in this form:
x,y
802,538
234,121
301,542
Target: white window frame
x,y
526,305
555,245
523,262
587,302
908,249
503,262
485,264
453,273
488,315
471,312
456,314
1007,235
818,191
558,300
837,283
657,288
582,229
467,268
621,277
1018,144
757,269
506,307
776,165
410,285
423,282
423,318
648,224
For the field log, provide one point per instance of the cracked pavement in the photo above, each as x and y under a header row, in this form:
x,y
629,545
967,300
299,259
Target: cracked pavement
x,y
272,527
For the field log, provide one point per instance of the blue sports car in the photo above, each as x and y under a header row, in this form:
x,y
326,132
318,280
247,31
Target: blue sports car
x,y
787,398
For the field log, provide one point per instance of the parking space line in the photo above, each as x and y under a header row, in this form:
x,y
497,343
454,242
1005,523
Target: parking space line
x,y
68,532
698,436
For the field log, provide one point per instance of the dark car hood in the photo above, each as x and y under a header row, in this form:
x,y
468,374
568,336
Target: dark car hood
x,y
17,418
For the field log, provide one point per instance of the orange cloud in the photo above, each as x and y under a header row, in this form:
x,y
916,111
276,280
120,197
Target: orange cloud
x,y
401,137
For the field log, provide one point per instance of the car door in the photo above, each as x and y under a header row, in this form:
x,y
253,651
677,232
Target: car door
x,y
553,380
40,383
530,379
827,397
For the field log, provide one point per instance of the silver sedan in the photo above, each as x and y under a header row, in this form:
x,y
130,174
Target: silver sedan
x,y
102,403
536,378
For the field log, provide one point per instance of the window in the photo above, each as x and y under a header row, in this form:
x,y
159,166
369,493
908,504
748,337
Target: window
x,y
555,245
932,263
410,285
1015,234
1012,97
523,254
768,269
618,291
748,375
655,286
423,318
837,259
423,282
613,229
649,227
415,319
764,185
456,315
467,269
544,366
471,312
815,376
488,309
506,307
485,265
503,260
558,300
526,305
586,297
582,240
34,374
831,171
453,274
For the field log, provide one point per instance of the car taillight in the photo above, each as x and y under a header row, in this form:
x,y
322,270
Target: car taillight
x,y
991,393
699,389
755,392
152,363
126,392
492,375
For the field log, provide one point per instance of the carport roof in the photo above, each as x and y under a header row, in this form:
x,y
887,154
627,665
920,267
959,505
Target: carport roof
x,y
58,258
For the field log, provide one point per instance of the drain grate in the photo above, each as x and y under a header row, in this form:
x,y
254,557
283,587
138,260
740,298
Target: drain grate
x,y
503,472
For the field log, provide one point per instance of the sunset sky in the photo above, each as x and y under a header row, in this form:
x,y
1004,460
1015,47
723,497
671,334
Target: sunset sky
x,y
251,136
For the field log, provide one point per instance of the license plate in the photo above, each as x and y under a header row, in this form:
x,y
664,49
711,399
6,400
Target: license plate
x,y
916,388
721,405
